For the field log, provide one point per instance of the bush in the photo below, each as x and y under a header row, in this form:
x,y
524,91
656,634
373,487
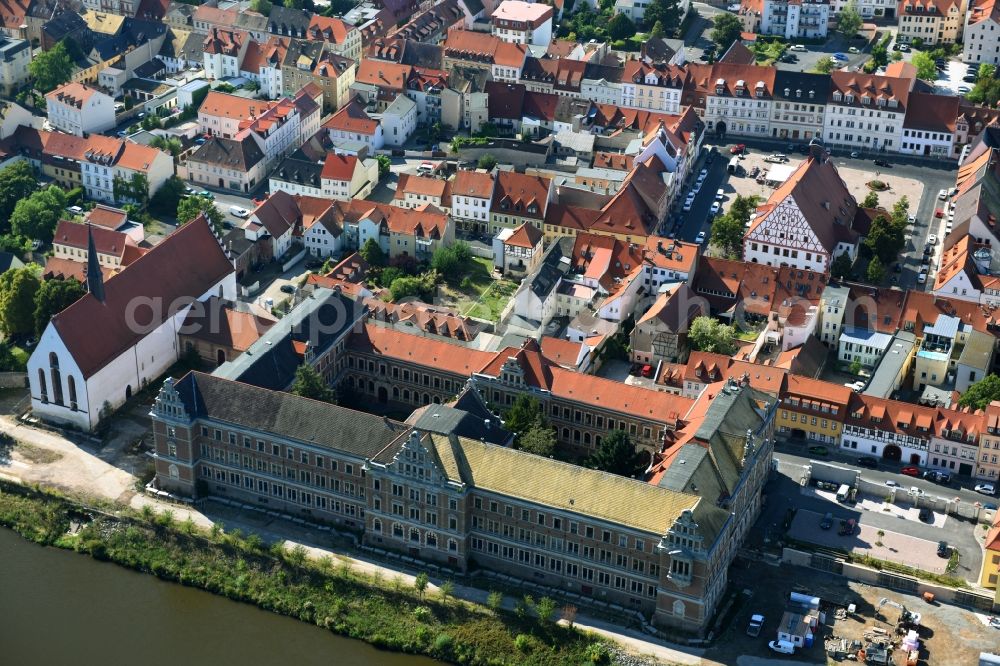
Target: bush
x,y
422,613
443,644
523,642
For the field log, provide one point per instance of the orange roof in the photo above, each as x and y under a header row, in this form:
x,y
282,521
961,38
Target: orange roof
x,y
339,167
328,29
72,93
421,185
993,536
560,351
383,74
107,217
707,368
815,389
219,323
955,260
515,193
980,10
472,184
352,118
418,349
232,107
137,156
526,235
926,7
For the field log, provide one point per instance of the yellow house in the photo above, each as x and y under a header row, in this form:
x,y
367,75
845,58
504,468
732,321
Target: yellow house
x,y
812,409
991,558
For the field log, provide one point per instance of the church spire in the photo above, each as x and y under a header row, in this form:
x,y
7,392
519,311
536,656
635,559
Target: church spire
x,y
95,277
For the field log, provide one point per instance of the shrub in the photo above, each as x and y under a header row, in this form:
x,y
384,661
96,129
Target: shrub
x,y
443,644
422,613
494,601
598,654
523,642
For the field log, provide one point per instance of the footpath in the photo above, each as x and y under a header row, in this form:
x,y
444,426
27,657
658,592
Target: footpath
x,y
50,460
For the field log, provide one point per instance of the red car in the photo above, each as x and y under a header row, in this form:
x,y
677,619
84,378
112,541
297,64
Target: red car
x,y
938,213
910,471
737,149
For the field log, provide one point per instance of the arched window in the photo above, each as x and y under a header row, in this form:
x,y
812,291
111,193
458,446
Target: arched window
x,y
43,393
71,381
377,525
432,540
53,361
397,530
414,535
452,545
679,608
173,472
57,394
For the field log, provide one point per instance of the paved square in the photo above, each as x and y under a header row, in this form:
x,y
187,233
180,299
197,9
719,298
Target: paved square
x,y
895,547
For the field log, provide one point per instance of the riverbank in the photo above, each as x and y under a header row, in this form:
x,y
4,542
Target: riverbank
x,y
327,593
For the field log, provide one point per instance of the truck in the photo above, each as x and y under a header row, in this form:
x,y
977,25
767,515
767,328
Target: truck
x,y
783,647
756,623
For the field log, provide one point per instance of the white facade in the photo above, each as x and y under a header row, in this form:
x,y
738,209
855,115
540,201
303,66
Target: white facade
x,y
98,179
982,35
924,142
768,243
374,140
833,305
15,54
399,120
647,94
602,91
77,109
876,127
867,8
747,115
872,442
321,242
795,20
861,345
473,209
112,384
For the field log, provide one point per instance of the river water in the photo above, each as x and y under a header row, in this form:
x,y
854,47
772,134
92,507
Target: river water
x,y
58,608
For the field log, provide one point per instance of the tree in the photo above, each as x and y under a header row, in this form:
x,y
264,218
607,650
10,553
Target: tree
x,y
170,145
727,231
372,253
621,27
871,200
545,608
37,216
135,189
926,69
986,71
51,68
165,201
421,287
53,297
18,288
384,165
982,393
850,20
17,181
446,591
726,30
539,439
494,601
855,367
885,239
310,384
523,414
825,65
189,208
876,271
664,12
657,31
709,335
260,6
616,455
450,261
487,162
420,583
841,266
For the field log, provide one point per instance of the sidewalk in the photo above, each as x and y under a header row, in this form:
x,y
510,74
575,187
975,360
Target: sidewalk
x,y
76,471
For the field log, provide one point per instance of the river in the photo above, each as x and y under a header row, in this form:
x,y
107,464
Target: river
x,y
58,608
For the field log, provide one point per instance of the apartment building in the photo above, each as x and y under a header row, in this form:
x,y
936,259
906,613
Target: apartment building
x,y
791,20
799,108
739,99
657,87
519,198
461,502
521,22
224,52
352,130
988,456
468,50
78,109
15,54
933,22
955,440
472,193
867,8
813,410
866,111
344,39
418,191
896,431
982,33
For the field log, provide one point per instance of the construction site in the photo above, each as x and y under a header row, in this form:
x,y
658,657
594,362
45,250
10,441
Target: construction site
x,y
893,636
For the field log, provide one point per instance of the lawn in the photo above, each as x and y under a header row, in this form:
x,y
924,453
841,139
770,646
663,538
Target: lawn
x,y
477,294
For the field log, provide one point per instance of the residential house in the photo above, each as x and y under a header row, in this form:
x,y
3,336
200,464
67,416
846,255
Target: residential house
x,y
344,39
519,198
418,191
15,54
982,33
399,120
929,125
738,99
348,177
895,431
520,22
296,175
866,111
238,165
988,457
652,86
78,109
863,346
277,218
224,51
90,360
471,196
474,50
518,251
833,306
352,130
955,440
933,22
789,20
807,221
799,107
660,335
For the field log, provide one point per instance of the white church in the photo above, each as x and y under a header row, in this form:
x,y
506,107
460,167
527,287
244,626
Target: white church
x,y
123,333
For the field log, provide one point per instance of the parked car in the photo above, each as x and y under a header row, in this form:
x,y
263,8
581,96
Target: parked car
x,y
827,522
910,471
868,461
782,647
687,206
287,288
985,488
905,48
738,149
819,450
797,47
892,484
938,477
942,195
964,90
855,154
700,238
943,550
720,194
839,56
756,623
922,277
847,527
990,506
882,163
239,212
716,207
207,195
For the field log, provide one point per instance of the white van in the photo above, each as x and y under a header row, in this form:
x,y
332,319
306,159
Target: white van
x,y
843,492
784,647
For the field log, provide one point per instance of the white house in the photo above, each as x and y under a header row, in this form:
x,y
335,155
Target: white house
x,y
223,52
352,126
110,166
471,194
655,87
929,125
94,355
982,33
348,177
15,54
277,218
521,22
791,19
862,345
866,111
77,109
399,120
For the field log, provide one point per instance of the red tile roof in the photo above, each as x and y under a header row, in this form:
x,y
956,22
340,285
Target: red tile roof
x,y
472,184
339,167
515,193
185,265
352,118
420,350
526,236
328,29
106,241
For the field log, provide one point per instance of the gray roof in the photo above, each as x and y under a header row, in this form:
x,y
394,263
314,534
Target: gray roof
x,y
799,85
320,320
285,21
883,381
944,326
289,416
229,153
446,420
299,171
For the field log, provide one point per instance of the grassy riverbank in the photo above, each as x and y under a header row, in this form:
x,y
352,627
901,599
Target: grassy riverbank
x,y
326,593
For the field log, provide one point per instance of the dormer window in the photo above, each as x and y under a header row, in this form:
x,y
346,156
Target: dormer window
x,y
893,103
866,100
788,92
849,98
836,96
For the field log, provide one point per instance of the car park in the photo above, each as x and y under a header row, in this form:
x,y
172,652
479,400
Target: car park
x,y
910,471
985,488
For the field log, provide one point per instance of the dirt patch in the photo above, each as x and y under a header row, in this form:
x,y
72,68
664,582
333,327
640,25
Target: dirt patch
x,y
36,454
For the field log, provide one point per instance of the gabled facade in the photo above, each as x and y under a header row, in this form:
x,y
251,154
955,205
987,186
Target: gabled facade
x,y
933,22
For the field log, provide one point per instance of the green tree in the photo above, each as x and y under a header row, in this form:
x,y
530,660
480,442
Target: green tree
x,y
446,591
621,27
310,384
170,145
17,181
986,71
876,271
982,393
841,266
260,6
384,165
487,162
885,239
871,200
37,216
165,201
825,65
616,454
421,287
135,189
926,69
189,208
545,608
664,12
494,601
727,231
18,288
539,439
372,253
726,29
52,297
523,414
420,584
709,335
51,68
657,31
450,261
849,21
855,367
